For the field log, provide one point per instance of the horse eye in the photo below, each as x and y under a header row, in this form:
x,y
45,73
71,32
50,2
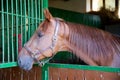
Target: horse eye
x,y
40,34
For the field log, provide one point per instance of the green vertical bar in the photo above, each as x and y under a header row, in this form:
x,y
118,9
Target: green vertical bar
x,y
45,4
42,8
32,15
29,26
36,14
3,50
45,73
12,31
39,13
16,28
25,31
21,21
8,43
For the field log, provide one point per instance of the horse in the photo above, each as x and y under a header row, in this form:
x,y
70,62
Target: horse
x,y
94,46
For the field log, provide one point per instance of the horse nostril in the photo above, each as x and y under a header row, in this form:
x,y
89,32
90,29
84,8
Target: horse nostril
x,y
19,61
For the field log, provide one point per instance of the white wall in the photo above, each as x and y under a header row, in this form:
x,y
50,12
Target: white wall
x,y
88,5
73,5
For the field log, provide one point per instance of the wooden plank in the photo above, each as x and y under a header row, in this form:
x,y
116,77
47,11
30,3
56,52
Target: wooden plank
x,y
65,74
79,74
38,73
25,75
109,76
54,74
5,74
92,75
31,74
15,73
74,74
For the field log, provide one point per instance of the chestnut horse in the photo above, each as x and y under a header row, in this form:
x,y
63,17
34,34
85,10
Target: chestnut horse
x,y
94,46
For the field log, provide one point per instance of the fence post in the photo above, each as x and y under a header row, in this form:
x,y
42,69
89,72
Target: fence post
x,y
45,4
45,73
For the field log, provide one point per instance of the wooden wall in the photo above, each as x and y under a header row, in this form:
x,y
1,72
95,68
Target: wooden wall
x,y
73,74
56,74
18,74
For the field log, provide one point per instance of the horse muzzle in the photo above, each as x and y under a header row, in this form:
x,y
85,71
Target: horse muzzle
x,y
25,62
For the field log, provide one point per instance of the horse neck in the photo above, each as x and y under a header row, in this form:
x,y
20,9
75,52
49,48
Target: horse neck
x,y
65,44
77,42
66,34
73,47
69,38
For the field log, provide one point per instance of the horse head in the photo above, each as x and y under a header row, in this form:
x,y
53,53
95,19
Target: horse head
x,y
45,42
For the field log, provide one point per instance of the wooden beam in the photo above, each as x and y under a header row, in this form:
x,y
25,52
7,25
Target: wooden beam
x,y
116,4
91,5
104,3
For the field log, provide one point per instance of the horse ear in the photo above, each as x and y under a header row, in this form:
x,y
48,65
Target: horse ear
x,y
47,14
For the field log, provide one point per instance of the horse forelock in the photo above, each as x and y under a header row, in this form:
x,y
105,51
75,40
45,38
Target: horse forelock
x,y
93,42
44,25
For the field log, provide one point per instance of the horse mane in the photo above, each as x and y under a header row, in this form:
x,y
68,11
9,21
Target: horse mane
x,y
93,42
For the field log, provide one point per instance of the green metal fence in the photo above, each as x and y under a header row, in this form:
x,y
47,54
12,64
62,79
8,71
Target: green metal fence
x,y
46,72
18,21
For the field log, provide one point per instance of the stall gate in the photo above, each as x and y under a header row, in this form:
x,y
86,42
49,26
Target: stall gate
x,y
54,71
18,21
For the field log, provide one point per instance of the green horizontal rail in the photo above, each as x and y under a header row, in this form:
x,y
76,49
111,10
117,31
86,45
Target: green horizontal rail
x,y
14,26
45,68
23,16
83,67
7,65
